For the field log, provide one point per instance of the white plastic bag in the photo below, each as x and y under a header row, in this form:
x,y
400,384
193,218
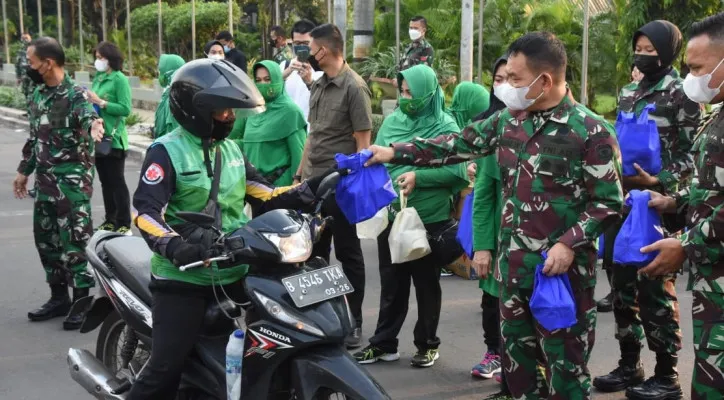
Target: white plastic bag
x,y
408,237
371,228
247,211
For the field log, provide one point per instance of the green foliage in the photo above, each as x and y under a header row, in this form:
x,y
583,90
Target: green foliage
x,y
12,97
134,119
605,105
377,120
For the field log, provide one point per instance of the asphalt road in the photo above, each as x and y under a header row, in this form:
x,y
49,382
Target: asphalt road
x,y
32,355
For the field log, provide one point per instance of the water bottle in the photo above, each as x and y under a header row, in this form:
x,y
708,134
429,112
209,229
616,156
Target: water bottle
x,y
234,357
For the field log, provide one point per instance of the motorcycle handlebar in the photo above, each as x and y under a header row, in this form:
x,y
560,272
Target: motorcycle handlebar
x,y
201,263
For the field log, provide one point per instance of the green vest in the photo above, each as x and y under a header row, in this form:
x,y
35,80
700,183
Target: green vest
x,y
192,193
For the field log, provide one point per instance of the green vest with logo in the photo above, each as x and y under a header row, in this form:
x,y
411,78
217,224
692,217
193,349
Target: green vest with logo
x,y
192,193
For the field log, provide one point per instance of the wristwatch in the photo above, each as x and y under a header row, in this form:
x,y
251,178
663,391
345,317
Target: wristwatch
x,y
297,178
103,104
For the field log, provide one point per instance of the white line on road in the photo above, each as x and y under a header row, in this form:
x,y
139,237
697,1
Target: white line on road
x,y
24,213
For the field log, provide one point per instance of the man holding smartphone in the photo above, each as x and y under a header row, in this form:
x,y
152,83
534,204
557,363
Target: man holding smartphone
x,y
298,74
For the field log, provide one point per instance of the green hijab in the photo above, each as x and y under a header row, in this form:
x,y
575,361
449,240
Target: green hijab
x,y
469,100
164,121
282,117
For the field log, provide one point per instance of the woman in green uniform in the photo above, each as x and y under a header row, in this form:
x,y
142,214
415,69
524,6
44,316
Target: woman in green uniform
x,y
273,141
469,100
164,121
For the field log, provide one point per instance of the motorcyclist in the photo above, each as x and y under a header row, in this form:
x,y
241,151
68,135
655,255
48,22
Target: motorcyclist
x,y
177,175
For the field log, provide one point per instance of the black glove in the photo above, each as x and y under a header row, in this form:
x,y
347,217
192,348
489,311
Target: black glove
x,y
314,182
186,253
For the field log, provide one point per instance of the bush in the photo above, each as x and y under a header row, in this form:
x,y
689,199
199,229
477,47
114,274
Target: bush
x,y
13,98
134,119
377,120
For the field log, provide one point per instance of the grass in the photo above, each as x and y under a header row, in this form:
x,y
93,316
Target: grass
x,y
13,98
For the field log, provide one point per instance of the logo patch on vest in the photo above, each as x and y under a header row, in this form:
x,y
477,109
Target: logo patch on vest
x,y
153,175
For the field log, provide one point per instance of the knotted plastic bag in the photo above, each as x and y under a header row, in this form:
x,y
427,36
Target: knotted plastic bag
x,y
465,229
408,236
642,227
372,227
365,190
552,303
639,141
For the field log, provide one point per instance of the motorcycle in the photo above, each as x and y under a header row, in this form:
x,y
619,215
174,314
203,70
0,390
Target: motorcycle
x,y
297,315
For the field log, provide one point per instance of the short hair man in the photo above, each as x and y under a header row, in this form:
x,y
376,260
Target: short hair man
x,y
340,119
278,42
700,207
419,51
560,173
232,54
21,66
298,74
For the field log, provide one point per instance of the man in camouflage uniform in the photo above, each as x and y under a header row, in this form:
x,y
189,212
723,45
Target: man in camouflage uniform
x,y
560,173
641,304
21,65
420,51
278,42
700,207
63,127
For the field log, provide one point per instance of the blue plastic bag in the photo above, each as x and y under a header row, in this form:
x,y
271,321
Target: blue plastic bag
x,y
601,251
366,190
642,227
552,303
639,141
465,227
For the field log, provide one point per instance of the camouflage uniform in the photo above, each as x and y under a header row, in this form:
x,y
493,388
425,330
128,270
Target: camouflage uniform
x,y
705,250
21,64
641,304
60,152
417,53
560,173
283,54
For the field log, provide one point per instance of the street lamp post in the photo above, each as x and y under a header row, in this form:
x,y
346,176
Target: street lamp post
x,y
128,28
584,66
160,29
80,32
40,19
480,41
103,18
20,14
193,29
5,31
231,18
60,24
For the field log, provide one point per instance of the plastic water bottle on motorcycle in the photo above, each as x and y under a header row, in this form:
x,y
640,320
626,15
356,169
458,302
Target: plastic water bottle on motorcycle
x,y
234,358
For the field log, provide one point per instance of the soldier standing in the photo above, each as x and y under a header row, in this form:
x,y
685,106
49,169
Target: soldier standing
x,y
21,66
63,127
641,304
700,207
560,175
420,50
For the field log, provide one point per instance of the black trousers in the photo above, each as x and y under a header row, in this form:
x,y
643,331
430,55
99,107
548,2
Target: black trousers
x,y
116,199
491,323
348,251
178,315
395,297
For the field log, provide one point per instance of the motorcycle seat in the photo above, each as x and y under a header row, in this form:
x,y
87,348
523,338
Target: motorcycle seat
x,y
130,258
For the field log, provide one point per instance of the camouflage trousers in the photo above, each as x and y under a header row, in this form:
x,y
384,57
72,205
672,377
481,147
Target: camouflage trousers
x,y
62,227
646,306
565,351
707,308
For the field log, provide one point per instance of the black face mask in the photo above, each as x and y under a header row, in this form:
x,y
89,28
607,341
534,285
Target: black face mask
x,y
34,75
314,62
648,65
221,130
272,43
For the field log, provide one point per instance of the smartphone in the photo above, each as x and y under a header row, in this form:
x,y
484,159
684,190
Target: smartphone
x,y
302,53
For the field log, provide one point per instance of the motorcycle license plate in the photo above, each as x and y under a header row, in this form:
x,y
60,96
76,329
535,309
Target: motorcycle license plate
x,y
317,286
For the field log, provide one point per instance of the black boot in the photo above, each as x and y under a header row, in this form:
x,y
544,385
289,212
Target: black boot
x,y
606,303
664,385
630,371
58,305
73,321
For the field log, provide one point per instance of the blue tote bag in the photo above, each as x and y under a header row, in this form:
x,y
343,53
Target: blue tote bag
x,y
552,303
465,228
642,227
365,190
639,141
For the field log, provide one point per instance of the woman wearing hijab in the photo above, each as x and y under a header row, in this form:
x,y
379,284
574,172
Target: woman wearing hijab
x,y
430,192
274,140
214,49
164,121
642,305
469,100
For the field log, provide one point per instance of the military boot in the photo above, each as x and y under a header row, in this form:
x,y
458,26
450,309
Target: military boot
x,y
58,305
73,321
664,385
630,371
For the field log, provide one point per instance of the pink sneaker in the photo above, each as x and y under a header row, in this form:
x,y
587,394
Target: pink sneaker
x,y
488,367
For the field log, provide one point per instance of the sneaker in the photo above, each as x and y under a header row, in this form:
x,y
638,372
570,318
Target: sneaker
x,y
488,367
424,359
124,230
445,272
501,395
107,226
371,354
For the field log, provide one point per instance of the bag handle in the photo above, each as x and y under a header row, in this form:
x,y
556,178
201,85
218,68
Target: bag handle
x,y
644,117
403,200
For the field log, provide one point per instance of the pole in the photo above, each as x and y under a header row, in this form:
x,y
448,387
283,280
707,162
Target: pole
x,y
20,13
584,67
329,12
5,31
40,19
340,19
60,24
193,29
103,18
466,41
231,18
160,30
277,17
80,32
128,28
397,32
480,41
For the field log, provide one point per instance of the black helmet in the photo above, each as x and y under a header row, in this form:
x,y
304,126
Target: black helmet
x,y
203,86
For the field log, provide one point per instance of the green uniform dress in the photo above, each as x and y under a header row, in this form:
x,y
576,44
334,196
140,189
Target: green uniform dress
x,y
469,100
114,88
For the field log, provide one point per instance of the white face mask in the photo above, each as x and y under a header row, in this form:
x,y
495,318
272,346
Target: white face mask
x,y
697,87
513,97
216,56
415,34
101,65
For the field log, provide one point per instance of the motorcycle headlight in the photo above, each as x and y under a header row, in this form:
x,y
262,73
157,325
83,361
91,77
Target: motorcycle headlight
x,y
294,248
287,317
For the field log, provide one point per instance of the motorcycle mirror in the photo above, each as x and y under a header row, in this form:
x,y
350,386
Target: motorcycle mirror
x,y
328,184
205,221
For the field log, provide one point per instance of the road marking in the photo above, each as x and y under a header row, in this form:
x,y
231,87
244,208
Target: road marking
x,y
24,213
